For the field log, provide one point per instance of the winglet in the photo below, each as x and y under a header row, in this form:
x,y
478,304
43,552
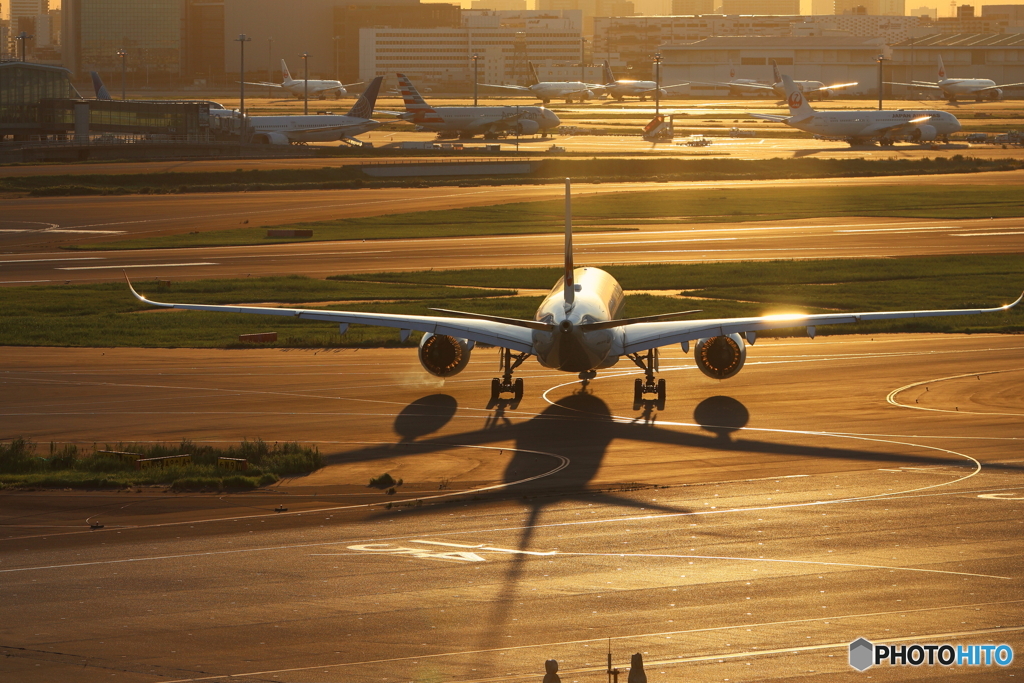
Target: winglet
x,y
569,284
140,297
1019,299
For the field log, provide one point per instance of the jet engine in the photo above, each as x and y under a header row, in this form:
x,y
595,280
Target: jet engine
x,y
588,94
720,357
271,139
443,356
924,132
663,93
527,127
996,94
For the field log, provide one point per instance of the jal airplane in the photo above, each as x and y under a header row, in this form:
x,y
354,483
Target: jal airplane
x,y
622,88
314,88
862,127
579,328
811,89
284,130
967,88
553,90
469,121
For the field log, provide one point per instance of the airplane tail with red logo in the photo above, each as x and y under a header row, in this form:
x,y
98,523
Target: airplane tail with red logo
x,y
799,108
942,69
285,74
414,102
775,72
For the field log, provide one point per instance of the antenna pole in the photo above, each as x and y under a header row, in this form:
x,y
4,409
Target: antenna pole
x,y
569,284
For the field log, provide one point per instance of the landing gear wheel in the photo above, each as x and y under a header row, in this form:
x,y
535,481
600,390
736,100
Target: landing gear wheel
x,y
495,389
517,389
638,391
661,393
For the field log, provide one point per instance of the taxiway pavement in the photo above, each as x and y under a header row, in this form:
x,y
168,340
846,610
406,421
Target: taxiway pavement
x,y
838,488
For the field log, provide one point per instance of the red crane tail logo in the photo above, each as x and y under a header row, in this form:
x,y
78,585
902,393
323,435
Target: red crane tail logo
x,y
796,100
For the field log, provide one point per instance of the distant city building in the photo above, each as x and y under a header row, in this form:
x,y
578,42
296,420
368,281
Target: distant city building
x,y
694,7
500,4
590,9
992,23
760,6
965,12
930,12
823,7
149,32
1015,13
652,8
890,8
443,57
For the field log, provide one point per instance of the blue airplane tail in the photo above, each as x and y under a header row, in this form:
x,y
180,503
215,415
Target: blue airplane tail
x,y
363,108
97,85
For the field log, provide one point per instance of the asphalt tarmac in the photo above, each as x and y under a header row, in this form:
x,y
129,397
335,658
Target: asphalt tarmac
x,y
838,488
37,228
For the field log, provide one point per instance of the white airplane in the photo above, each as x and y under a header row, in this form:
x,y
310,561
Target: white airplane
x,y
284,130
622,88
811,89
313,88
967,88
861,127
469,121
553,90
577,328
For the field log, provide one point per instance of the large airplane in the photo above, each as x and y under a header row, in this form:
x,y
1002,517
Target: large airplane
x,y
810,89
310,88
579,328
284,130
967,88
862,127
546,91
622,88
469,121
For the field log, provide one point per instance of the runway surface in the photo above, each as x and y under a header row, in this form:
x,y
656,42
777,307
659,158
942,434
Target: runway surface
x,y
38,227
838,488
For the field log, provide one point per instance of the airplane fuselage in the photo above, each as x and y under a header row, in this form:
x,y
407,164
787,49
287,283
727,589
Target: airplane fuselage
x,y
552,90
598,297
867,124
969,87
315,88
311,128
482,119
625,88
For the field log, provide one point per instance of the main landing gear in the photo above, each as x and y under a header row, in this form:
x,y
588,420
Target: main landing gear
x,y
648,362
508,363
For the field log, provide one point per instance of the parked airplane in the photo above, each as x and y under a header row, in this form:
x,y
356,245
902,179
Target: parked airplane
x,y
469,121
811,89
577,328
97,85
952,88
311,88
216,108
553,90
284,130
861,127
622,88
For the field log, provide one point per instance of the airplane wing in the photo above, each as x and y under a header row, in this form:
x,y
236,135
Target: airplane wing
x,y
339,128
722,84
263,84
837,86
644,336
915,85
883,129
507,87
770,117
1001,85
510,333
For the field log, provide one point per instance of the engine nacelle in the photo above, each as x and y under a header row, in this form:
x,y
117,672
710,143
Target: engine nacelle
x,y
588,94
527,127
924,132
720,357
996,94
443,356
663,93
271,139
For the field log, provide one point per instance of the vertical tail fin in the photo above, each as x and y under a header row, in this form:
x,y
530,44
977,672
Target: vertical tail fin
x,y
97,84
285,74
415,104
942,69
569,283
533,74
798,105
363,108
609,77
775,72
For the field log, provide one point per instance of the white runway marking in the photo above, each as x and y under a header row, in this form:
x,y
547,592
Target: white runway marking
x,y
44,260
892,400
141,265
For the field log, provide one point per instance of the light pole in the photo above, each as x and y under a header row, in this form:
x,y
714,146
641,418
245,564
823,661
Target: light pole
x,y
336,39
270,65
242,39
476,77
305,83
657,83
583,60
23,37
881,60
123,55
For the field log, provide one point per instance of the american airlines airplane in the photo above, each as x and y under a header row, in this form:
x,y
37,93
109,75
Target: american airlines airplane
x,y
811,89
469,121
284,130
546,91
579,328
862,127
967,88
622,88
315,88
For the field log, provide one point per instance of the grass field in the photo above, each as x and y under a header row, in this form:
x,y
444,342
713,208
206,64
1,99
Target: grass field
x,y
107,316
623,211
